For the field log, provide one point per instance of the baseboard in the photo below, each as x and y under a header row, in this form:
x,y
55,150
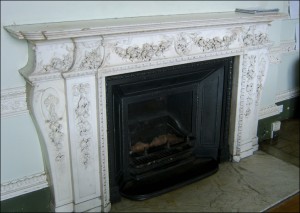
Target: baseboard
x,y
288,109
37,201
23,186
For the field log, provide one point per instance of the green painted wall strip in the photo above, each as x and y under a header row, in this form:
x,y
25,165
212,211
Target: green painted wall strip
x,y
38,201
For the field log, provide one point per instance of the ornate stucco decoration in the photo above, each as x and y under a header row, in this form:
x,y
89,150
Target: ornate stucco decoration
x,y
82,113
144,53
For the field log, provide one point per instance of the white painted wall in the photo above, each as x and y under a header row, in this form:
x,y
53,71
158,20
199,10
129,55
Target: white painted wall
x,y
20,150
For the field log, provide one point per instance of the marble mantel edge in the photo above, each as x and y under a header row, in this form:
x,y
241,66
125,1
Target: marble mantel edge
x,y
73,29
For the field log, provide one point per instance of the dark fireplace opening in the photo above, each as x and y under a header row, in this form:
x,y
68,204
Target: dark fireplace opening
x,y
167,127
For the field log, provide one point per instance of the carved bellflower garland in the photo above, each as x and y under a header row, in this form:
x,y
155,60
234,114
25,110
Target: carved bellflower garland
x,y
55,134
260,77
250,72
82,112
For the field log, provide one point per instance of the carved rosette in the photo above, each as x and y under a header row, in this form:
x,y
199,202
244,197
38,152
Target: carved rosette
x,y
145,53
54,123
82,112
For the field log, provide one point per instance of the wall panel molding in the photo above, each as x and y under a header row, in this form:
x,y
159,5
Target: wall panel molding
x,y
23,185
283,48
287,94
13,101
269,111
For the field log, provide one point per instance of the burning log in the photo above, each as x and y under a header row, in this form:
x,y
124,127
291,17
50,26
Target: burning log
x,y
139,147
173,139
169,139
158,141
163,139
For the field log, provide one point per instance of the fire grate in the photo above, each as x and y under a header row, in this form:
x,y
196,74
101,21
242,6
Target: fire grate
x,y
158,160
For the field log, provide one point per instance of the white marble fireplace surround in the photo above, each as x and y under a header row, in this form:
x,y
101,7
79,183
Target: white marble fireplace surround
x,y
69,61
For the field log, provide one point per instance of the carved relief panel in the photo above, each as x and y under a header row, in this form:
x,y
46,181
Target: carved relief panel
x,y
47,104
139,49
254,71
81,98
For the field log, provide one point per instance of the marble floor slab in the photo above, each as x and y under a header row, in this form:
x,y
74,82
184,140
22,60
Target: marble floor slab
x,y
252,185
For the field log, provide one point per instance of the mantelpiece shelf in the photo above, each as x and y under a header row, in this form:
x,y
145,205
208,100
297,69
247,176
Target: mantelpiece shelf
x,y
73,29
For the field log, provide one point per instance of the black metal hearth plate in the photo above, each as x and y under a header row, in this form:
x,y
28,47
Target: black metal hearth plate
x,y
169,179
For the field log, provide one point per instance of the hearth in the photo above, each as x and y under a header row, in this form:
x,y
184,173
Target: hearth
x,y
167,127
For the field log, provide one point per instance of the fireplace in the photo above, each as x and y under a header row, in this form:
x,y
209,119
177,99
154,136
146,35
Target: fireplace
x,y
88,79
167,122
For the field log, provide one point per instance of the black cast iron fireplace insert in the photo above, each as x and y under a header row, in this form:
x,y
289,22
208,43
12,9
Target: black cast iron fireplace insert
x,y
167,127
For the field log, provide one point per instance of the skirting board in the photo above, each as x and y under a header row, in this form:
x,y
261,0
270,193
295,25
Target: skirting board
x,y
23,185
